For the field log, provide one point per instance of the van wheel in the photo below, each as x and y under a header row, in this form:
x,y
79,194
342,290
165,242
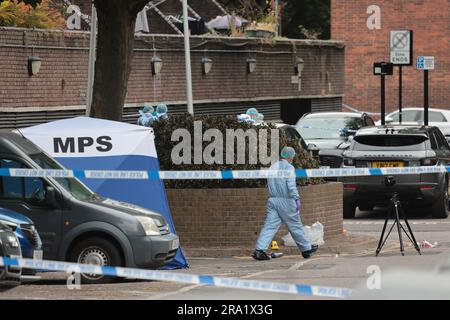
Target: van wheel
x,y
441,207
349,210
97,251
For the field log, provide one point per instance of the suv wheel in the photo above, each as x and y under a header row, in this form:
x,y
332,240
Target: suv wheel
x,y
97,251
349,210
441,207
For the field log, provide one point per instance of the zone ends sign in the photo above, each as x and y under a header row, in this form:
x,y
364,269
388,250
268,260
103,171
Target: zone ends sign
x,y
401,46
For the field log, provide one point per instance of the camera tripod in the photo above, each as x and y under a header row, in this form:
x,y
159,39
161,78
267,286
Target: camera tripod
x,y
396,211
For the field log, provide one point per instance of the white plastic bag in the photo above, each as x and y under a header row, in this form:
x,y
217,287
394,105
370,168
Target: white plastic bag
x,y
314,233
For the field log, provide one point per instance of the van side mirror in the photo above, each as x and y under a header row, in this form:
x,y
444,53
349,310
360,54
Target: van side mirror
x,y
388,119
50,197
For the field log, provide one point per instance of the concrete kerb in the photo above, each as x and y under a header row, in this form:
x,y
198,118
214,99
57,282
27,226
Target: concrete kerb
x,y
344,244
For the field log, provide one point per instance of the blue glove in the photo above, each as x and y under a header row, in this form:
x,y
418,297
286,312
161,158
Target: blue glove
x,y
297,205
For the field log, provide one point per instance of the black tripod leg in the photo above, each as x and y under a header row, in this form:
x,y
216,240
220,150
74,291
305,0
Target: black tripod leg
x,y
413,239
397,219
381,243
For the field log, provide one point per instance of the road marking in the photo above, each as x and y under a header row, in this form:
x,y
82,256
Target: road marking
x,y
179,291
382,222
144,274
300,264
249,276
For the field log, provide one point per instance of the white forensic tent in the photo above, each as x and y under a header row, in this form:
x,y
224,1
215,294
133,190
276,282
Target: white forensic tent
x,y
84,143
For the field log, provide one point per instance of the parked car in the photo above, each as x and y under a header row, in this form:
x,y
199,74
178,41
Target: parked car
x,y
76,224
331,131
292,134
415,116
29,239
10,248
397,146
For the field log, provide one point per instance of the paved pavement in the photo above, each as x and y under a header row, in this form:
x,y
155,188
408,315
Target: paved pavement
x,y
348,268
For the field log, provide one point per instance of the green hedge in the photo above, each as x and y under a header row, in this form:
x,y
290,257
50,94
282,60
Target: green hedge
x,y
163,131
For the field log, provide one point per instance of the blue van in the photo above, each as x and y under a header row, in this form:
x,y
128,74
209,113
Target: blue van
x,y
29,239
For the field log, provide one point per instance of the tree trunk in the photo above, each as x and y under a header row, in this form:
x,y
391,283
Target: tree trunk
x,y
115,40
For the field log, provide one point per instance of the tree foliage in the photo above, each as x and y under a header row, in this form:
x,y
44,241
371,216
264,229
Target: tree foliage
x,y
163,132
300,19
44,14
33,3
307,19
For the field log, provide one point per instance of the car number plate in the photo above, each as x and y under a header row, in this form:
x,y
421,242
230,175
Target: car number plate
x,y
175,244
37,255
386,164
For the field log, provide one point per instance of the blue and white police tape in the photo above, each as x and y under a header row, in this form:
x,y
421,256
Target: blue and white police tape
x,y
222,175
171,276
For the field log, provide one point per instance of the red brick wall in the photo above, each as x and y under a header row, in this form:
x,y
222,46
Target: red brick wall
x,y
63,76
430,22
234,217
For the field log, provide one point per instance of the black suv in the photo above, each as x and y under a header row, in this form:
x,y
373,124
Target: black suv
x,y
397,146
330,132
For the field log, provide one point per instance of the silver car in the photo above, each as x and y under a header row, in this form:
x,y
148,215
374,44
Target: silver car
x,y
415,116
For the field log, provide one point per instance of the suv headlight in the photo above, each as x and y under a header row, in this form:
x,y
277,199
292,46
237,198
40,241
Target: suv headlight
x,y
149,225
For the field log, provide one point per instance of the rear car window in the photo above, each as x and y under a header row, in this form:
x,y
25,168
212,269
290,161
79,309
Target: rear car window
x,y
327,127
407,116
433,116
397,142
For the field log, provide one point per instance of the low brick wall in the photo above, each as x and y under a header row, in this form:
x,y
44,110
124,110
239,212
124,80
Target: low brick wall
x,y
234,217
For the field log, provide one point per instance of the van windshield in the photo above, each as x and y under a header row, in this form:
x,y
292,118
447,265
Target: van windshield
x,y
72,185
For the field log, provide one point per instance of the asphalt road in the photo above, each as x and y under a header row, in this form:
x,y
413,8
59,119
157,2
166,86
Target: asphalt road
x,y
422,224
348,270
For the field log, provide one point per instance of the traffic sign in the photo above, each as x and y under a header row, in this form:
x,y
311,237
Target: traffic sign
x,y
425,63
383,69
401,47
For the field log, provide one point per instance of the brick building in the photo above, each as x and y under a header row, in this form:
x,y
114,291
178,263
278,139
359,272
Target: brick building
x,y
365,27
59,89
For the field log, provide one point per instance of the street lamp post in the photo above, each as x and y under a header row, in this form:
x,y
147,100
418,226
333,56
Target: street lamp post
x,y
276,9
91,68
187,56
